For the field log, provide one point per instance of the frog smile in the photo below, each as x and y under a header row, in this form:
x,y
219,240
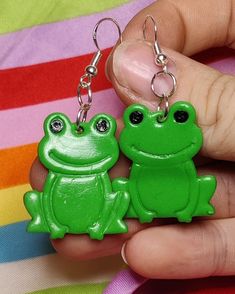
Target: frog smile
x,y
72,162
161,156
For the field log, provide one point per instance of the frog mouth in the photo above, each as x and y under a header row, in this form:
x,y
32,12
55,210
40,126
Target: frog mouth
x,y
161,156
72,162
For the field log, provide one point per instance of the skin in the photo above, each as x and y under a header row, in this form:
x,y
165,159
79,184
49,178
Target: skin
x,y
203,248
163,181
78,179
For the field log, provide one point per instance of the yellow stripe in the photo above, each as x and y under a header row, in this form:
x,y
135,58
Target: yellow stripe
x,y
18,14
11,205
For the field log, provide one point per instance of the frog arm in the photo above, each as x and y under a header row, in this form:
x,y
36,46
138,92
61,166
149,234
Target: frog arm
x,y
96,230
114,208
186,214
57,230
143,214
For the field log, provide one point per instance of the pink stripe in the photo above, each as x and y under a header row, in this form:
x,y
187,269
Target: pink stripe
x,y
126,282
21,126
62,39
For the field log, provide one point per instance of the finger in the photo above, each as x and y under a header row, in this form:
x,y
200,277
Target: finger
x,y
188,26
81,247
212,93
195,250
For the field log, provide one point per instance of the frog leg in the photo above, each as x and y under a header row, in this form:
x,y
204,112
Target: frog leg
x,y
56,229
33,204
187,213
144,215
207,188
115,207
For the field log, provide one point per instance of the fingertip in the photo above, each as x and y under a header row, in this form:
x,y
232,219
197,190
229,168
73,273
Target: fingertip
x,y
38,174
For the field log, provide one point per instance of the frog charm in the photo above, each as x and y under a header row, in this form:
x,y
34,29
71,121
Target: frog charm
x,y
163,180
78,196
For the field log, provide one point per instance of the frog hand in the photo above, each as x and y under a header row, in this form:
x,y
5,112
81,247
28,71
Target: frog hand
x,y
96,232
110,219
58,232
146,216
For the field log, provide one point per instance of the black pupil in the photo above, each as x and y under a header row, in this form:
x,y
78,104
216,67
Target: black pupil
x,y
136,117
102,125
181,116
56,126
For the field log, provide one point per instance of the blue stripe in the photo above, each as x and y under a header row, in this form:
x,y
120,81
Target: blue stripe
x,y
17,244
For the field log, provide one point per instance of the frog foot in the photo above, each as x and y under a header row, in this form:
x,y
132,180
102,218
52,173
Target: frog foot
x,y
184,217
58,232
146,216
32,201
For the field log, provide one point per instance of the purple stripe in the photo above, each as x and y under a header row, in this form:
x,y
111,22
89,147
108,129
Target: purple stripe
x,y
126,282
24,125
62,39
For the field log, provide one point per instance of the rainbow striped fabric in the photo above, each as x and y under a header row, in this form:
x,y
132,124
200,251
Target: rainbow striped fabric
x,y
44,48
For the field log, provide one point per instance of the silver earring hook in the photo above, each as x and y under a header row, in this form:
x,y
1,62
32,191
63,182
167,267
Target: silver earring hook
x,y
90,72
161,60
95,31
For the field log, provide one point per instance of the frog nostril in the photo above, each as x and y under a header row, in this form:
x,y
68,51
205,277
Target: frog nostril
x,y
136,117
56,126
102,125
181,116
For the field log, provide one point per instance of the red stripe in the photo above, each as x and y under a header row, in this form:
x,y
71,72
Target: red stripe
x,y
47,81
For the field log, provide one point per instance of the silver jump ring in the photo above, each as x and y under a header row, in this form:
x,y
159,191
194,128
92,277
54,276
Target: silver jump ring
x,y
164,95
83,83
164,108
82,114
79,94
97,27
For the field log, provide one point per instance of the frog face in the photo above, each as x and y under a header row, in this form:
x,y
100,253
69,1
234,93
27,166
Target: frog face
x,y
148,141
65,150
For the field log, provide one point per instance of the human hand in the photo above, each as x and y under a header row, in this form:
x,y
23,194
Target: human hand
x,y
203,248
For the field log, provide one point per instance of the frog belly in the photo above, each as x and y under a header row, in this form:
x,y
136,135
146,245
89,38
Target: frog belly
x,y
73,202
164,191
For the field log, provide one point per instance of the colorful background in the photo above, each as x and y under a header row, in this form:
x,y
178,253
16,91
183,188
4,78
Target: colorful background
x,y
44,48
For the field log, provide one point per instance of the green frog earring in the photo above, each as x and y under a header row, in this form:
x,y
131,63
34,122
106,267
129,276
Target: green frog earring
x,y
78,195
163,180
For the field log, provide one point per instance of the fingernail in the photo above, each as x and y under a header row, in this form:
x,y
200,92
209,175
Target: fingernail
x,y
123,254
134,68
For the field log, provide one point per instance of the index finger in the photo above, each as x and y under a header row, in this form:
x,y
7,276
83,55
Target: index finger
x,y
185,27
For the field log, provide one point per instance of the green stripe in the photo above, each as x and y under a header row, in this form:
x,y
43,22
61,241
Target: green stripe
x,y
81,289
18,14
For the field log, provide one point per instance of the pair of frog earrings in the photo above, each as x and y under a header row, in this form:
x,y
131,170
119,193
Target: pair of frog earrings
x,y
78,195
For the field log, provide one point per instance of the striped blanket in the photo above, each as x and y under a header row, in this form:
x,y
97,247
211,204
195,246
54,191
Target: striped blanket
x,y
44,48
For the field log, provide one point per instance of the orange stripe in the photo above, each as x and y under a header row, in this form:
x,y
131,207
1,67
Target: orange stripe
x,y
15,165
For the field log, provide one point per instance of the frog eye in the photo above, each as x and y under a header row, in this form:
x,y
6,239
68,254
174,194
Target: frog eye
x,y
136,117
56,125
102,125
181,116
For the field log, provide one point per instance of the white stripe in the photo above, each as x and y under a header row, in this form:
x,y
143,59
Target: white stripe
x,y
54,271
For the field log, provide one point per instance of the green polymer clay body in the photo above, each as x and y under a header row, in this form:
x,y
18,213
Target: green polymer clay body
x,y
78,195
163,181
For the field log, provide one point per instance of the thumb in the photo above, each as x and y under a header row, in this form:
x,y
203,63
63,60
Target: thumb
x,y
211,93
